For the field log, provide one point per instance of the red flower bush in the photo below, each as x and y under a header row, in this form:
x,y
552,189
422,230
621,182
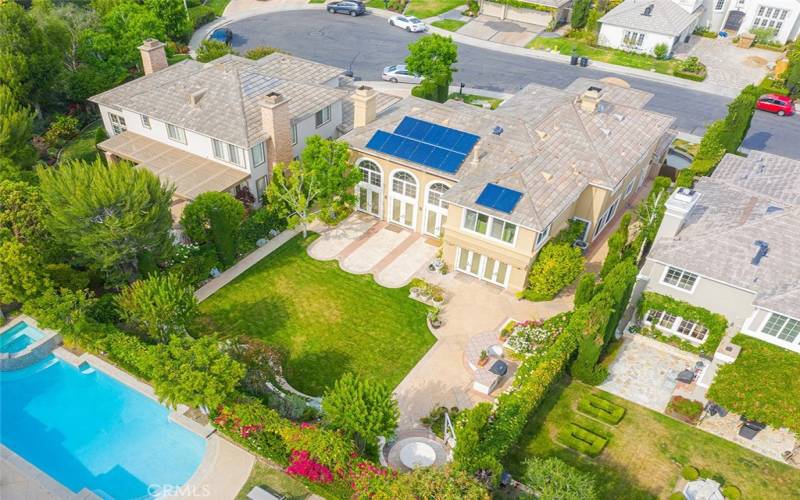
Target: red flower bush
x,y
303,465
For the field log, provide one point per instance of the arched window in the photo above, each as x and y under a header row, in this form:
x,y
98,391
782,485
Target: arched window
x,y
370,172
404,183
435,193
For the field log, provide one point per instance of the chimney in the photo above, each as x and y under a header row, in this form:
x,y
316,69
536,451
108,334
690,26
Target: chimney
x,y
590,99
277,125
154,56
364,104
678,206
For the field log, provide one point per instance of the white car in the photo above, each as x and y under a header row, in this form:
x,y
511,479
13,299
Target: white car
x,y
399,73
408,23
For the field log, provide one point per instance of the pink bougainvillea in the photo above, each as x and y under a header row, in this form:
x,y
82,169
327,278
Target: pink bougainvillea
x,y
303,465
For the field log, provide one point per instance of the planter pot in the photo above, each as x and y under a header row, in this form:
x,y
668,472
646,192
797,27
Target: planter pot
x,y
436,323
482,362
438,303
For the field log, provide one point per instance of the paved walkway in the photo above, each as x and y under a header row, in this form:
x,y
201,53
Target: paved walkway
x,y
242,9
501,31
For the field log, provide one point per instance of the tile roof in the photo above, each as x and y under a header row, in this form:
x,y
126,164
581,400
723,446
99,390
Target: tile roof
x,y
231,88
667,17
550,149
745,200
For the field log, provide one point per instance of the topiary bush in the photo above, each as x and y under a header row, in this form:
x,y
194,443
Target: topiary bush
x,y
690,473
661,51
731,492
677,496
601,409
581,439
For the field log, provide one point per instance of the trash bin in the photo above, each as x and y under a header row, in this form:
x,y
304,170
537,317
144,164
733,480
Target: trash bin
x,y
573,60
584,62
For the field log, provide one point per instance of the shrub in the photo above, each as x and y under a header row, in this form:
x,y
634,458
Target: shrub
x,y
303,465
196,265
682,407
160,306
690,473
215,218
582,440
212,49
556,266
617,245
731,492
601,409
64,310
763,35
677,495
127,351
201,15
435,419
257,53
552,478
580,13
661,51
100,135
258,225
585,290
692,64
65,276
62,127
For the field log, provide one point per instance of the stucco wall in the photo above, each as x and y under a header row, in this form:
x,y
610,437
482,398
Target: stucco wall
x,y
755,324
307,127
715,19
613,36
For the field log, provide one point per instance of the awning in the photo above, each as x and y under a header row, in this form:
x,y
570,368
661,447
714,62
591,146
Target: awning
x,y
191,174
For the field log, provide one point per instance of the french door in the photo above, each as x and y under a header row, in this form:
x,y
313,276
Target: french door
x,y
403,211
369,199
482,267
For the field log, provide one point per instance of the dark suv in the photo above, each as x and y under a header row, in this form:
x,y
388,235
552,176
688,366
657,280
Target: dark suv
x,y
347,7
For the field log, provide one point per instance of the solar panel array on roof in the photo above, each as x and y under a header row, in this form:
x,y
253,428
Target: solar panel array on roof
x,y
498,198
425,143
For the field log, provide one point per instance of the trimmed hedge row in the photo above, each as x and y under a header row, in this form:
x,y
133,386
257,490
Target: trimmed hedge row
x,y
601,409
716,323
582,440
697,77
525,5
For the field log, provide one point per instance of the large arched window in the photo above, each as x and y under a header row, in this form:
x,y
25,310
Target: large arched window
x,y
404,183
370,172
435,192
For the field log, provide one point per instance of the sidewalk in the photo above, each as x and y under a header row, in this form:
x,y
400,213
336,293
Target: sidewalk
x,y
242,9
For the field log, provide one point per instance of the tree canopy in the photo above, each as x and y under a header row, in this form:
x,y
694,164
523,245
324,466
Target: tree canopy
x,y
108,215
329,161
16,129
432,57
293,191
161,306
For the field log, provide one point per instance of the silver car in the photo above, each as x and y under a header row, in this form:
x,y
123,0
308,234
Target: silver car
x,y
399,73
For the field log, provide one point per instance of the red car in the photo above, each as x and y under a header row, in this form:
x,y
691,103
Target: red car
x,y
776,103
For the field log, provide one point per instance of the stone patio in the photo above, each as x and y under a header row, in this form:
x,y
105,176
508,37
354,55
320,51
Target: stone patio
x,y
769,442
728,65
506,32
644,371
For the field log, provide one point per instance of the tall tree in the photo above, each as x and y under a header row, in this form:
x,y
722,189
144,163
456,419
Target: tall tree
x,y
175,18
161,306
215,218
433,57
110,215
21,211
21,275
194,372
28,60
16,128
330,162
295,188
362,408
580,13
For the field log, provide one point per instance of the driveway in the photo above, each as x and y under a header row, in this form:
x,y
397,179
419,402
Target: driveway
x,y
644,371
367,45
506,32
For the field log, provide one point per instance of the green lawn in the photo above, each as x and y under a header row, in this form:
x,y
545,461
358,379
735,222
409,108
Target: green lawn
x,y
83,146
217,5
449,24
772,395
328,321
566,46
476,100
646,450
275,480
428,8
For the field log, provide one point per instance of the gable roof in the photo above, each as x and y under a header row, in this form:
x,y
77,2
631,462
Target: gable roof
x,y
666,17
230,89
550,149
745,201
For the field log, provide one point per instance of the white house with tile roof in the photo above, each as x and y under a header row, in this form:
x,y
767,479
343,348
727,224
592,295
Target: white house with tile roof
x,y
732,246
741,16
642,25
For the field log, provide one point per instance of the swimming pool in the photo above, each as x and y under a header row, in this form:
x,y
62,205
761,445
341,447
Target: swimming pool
x,y
19,337
88,430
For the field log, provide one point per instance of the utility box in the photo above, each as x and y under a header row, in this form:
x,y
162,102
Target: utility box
x,y
746,40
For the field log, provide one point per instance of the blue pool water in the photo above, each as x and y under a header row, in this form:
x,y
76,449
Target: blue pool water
x,y
87,430
19,337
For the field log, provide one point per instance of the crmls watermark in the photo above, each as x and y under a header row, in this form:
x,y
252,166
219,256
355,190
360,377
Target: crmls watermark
x,y
171,490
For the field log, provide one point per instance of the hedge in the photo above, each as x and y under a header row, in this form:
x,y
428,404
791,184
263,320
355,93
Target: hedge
x,y
601,409
525,5
581,439
697,77
716,323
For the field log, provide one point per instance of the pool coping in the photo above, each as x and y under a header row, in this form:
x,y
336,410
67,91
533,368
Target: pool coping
x,y
33,473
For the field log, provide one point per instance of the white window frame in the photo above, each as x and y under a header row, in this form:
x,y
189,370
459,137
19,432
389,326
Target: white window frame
x,y
605,218
673,330
118,124
322,116
261,186
233,155
218,149
294,134
633,39
489,227
788,320
682,272
176,133
719,5
541,238
146,122
629,189
258,148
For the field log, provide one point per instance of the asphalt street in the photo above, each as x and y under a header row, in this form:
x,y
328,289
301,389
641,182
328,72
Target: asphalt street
x,y
367,44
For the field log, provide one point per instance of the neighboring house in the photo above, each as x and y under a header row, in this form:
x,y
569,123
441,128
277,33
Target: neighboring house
x,y
740,16
497,185
641,25
220,126
542,13
732,246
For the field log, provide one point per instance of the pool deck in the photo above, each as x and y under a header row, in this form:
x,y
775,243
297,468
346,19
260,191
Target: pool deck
x,y
221,474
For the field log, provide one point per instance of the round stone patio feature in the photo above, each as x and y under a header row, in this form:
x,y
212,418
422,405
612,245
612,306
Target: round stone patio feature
x,y
416,455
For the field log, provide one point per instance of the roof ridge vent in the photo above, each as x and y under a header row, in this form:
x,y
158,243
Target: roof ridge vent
x,y
547,176
542,134
619,116
605,131
194,97
648,11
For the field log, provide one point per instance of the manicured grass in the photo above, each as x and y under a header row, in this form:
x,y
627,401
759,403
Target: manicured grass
x,y
217,5
274,480
567,46
83,146
646,450
763,384
328,321
428,8
316,1
448,24
476,100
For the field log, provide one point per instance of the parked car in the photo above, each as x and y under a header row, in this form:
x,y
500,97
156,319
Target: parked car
x,y
399,73
223,35
350,7
408,23
776,103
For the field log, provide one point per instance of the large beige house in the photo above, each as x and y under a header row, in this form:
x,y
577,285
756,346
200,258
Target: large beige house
x,y
732,245
495,185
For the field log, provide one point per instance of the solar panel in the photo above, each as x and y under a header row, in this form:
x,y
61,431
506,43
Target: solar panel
x,y
499,198
378,139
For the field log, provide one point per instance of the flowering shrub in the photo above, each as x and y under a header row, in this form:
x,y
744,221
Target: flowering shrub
x,y
529,336
302,465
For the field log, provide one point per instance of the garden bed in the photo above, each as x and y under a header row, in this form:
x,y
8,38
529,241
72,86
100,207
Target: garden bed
x,y
582,440
684,409
601,409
